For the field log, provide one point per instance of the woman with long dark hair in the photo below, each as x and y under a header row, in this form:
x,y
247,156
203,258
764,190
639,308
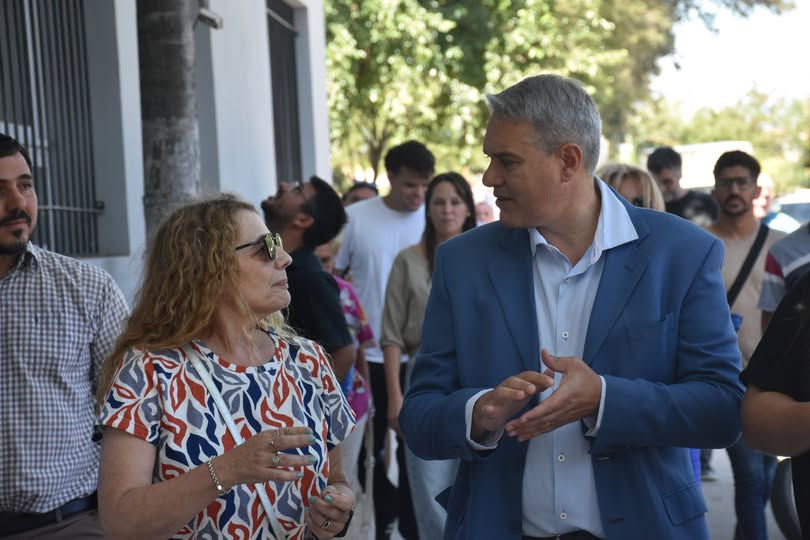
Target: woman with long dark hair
x,y
449,211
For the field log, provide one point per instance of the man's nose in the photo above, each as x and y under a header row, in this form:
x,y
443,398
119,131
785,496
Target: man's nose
x,y
489,178
15,199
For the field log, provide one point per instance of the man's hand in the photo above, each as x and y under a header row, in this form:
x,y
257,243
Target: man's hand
x,y
577,397
495,407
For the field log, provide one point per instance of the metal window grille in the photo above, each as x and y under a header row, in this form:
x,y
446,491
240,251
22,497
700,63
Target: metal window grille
x,y
45,104
281,27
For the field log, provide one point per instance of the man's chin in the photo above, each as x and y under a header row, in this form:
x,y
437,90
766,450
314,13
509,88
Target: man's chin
x,y
14,247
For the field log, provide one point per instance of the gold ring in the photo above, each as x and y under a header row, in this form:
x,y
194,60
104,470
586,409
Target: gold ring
x,y
277,434
276,459
326,524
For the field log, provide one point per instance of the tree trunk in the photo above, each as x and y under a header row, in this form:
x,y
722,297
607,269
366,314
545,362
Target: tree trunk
x,y
171,149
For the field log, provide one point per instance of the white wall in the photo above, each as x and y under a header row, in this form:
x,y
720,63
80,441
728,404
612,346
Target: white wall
x,y
125,131
235,113
311,60
240,62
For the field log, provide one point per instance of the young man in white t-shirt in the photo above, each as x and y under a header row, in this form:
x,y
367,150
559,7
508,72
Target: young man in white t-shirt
x,y
378,229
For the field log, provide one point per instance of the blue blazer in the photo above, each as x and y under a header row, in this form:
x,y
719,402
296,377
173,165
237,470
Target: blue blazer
x,y
659,332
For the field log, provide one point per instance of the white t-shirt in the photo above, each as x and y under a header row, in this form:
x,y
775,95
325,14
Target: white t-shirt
x,y
372,238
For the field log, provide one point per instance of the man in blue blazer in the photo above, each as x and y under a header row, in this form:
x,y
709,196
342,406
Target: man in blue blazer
x,y
575,349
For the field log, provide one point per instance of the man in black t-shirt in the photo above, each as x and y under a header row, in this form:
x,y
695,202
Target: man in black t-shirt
x,y
776,406
664,163
307,215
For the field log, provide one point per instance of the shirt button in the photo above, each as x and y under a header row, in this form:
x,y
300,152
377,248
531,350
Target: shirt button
x,y
561,458
565,334
563,515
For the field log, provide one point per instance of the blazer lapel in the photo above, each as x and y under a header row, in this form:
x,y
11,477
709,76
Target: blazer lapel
x,y
624,266
513,281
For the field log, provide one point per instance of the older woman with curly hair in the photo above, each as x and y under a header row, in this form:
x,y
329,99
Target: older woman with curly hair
x,y
219,421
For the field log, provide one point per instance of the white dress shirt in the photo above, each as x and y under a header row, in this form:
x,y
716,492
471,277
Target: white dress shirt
x,y
559,492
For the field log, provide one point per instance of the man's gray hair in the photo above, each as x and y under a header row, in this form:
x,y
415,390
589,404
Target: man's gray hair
x,y
560,110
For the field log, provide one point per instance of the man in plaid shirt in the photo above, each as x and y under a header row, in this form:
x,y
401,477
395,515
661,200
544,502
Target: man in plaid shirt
x,y
59,320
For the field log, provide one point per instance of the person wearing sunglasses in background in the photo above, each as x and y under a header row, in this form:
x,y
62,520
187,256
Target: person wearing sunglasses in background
x,y
637,186
209,315
634,184
744,238
307,215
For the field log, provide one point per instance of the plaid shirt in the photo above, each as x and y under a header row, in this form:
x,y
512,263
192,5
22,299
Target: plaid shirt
x,y
60,318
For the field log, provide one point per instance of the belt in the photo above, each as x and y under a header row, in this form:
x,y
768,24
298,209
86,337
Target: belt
x,y
17,522
576,535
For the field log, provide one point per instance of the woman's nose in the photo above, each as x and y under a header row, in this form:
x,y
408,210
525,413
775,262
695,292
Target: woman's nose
x,y
283,259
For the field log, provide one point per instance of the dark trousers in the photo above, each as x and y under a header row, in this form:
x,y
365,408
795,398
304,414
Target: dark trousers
x,y
390,502
753,479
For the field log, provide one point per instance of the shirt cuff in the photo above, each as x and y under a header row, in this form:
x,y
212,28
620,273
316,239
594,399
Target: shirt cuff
x,y
593,424
491,442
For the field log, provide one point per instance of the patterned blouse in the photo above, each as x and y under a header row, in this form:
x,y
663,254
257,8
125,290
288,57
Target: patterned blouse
x,y
158,397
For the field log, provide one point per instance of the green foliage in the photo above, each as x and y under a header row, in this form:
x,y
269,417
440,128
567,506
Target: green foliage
x,y
402,69
778,130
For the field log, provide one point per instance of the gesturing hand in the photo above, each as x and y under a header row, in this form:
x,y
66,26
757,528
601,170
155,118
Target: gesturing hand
x,y
577,397
261,457
327,515
495,407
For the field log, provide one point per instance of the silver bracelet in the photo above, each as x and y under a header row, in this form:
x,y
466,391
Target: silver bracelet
x,y
220,490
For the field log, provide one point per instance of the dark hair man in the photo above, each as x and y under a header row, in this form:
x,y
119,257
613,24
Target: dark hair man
x,y
378,229
735,188
664,163
535,363
307,215
60,319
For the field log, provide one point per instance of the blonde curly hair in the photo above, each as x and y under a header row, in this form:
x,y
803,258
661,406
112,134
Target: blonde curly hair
x,y
188,267
614,173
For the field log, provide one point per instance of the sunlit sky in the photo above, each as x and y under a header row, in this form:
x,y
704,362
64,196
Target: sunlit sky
x,y
767,52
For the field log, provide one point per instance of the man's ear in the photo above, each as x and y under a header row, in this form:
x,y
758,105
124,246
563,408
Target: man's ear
x,y
570,155
302,220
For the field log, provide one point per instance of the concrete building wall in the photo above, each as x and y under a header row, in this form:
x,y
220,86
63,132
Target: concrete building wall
x,y
234,100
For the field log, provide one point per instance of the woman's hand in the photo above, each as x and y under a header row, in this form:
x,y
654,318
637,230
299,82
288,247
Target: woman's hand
x,y
329,513
261,458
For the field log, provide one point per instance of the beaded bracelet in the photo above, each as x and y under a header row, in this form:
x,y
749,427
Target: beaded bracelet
x,y
220,490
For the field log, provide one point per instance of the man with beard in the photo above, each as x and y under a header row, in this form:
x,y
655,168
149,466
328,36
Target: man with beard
x,y
744,237
60,319
307,215
664,163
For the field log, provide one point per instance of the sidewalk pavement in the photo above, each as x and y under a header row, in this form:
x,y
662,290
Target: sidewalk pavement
x,y
720,500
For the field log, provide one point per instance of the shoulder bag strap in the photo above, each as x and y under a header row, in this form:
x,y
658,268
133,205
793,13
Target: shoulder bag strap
x,y
736,287
194,357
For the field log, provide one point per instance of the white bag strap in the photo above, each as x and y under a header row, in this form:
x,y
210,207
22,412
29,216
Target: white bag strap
x,y
194,357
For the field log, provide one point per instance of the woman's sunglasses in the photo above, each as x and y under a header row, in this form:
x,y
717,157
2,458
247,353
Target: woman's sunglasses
x,y
270,240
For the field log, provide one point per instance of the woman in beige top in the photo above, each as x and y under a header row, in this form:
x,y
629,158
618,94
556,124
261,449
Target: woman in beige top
x,y
449,211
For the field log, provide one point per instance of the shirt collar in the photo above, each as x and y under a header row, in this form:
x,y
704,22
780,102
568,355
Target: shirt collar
x,y
28,259
613,229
